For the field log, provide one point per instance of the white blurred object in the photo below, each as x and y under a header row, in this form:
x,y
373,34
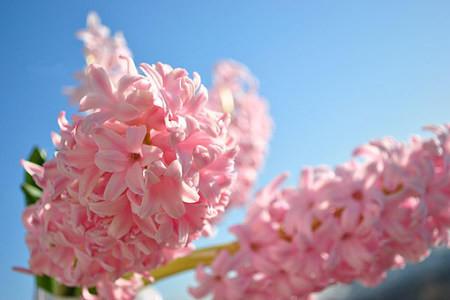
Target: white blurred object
x,y
148,293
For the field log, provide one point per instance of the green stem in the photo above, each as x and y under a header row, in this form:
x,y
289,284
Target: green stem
x,y
198,257
67,291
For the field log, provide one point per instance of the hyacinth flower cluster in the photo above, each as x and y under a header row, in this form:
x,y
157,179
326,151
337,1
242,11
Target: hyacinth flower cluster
x,y
235,91
146,170
386,207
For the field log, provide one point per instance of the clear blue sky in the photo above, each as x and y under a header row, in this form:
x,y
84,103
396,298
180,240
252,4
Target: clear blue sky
x,y
336,74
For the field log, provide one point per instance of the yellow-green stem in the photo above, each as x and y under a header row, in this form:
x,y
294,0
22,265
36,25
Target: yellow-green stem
x,y
198,257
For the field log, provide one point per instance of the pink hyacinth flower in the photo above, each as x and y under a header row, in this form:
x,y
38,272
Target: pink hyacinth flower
x,y
386,207
235,91
145,172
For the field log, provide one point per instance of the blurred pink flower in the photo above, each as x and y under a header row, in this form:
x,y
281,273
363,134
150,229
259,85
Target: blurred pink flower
x,y
218,282
103,49
235,91
386,207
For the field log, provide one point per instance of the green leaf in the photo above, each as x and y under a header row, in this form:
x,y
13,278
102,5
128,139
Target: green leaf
x,y
29,188
37,156
92,290
45,283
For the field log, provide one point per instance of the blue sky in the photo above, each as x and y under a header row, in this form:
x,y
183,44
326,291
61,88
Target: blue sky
x,y
336,74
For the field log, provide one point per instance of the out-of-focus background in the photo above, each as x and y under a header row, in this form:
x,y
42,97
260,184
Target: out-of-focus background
x,y
336,74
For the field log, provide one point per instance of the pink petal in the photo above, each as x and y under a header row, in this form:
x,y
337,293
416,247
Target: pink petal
x,y
150,154
92,101
108,208
126,112
36,171
126,81
56,139
108,139
78,158
120,225
221,263
147,226
150,178
350,218
152,73
101,79
115,187
111,160
183,232
135,179
189,194
173,207
135,138
88,180
174,170
62,122
149,205
355,254
206,284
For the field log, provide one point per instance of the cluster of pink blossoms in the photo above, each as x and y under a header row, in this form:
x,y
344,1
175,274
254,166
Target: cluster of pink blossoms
x,y
146,171
103,49
384,208
235,91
